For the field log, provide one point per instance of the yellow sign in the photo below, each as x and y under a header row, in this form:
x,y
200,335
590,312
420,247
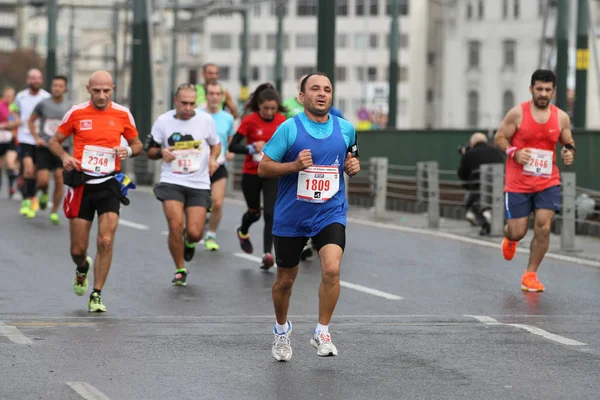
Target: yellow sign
x,y
583,59
188,144
244,93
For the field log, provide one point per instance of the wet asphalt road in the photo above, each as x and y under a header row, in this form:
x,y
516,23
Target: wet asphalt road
x,y
431,319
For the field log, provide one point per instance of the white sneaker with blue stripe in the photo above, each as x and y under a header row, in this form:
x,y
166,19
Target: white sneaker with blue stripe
x,y
282,348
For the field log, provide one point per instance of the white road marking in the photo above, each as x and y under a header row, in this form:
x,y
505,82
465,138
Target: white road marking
x,y
345,284
452,236
164,233
87,391
548,335
531,329
367,290
14,334
134,225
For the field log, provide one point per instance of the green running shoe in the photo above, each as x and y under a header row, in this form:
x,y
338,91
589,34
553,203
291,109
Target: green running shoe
x,y
43,201
95,304
25,207
210,244
54,219
80,282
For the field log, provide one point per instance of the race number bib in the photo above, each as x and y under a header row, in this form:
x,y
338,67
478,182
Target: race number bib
x,y
5,136
98,160
256,157
318,184
540,163
186,161
50,126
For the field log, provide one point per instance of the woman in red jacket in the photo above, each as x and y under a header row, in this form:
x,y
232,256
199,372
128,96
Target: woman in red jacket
x,y
265,114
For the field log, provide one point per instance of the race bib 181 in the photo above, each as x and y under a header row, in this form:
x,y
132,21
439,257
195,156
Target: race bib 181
x,y
540,163
318,184
186,161
98,160
50,126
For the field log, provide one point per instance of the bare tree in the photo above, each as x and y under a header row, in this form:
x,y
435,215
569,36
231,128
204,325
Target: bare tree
x,y
14,66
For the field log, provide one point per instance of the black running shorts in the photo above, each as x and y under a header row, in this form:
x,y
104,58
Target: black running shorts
x,y
288,249
220,173
188,196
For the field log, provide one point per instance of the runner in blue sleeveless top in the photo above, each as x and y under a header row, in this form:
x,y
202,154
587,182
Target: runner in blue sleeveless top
x,y
308,152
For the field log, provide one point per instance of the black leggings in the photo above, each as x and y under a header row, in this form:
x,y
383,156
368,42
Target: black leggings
x,y
251,187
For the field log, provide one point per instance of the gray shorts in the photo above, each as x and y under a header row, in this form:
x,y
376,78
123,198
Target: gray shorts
x,y
188,196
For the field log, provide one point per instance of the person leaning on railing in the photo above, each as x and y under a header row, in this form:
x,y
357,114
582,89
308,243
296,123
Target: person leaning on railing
x,y
477,154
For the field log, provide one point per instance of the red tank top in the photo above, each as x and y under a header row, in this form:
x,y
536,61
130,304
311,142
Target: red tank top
x,y
537,175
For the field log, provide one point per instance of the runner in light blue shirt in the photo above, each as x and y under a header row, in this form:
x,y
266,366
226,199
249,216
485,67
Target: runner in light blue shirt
x,y
224,122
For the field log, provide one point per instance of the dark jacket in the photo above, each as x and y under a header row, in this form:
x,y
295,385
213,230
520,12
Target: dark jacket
x,y
480,154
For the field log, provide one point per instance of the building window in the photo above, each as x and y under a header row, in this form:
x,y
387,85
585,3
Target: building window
x,y
193,76
271,76
429,95
256,10
194,44
473,109
254,73
273,9
359,7
374,8
299,72
272,41
431,58
474,49
504,9
341,74
221,41
372,74
33,40
481,9
342,8
509,47
360,41
508,101
306,8
253,41
469,11
403,107
359,73
516,9
373,41
224,72
306,41
341,105
341,40
542,4
403,73
402,41
403,7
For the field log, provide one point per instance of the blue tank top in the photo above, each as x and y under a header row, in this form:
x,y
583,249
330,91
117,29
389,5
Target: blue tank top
x,y
300,218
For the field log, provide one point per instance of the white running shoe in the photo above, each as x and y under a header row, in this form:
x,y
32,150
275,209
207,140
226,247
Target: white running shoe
x,y
322,342
282,348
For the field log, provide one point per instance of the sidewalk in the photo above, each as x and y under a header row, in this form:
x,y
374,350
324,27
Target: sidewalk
x,y
586,247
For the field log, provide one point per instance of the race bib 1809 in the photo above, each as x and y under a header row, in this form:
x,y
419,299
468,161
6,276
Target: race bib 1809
x,y
540,163
98,160
186,161
318,183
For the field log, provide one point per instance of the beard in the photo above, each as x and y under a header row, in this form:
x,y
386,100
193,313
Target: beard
x,y
542,103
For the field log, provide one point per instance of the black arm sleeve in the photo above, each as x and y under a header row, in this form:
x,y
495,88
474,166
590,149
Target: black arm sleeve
x,y
150,143
353,148
236,145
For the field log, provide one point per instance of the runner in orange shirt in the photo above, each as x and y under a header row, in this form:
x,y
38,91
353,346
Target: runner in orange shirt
x,y
97,127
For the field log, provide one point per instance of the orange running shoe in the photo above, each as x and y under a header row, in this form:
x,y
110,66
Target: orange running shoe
x,y
509,248
530,283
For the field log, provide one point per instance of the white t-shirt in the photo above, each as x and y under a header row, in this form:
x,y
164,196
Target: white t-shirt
x,y
196,134
25,103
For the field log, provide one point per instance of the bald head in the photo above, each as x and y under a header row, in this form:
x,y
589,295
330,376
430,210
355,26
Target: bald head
x,y
101,78
477,137
100,87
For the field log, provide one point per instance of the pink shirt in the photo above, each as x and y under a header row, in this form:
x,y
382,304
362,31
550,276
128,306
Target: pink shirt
x,y
4,111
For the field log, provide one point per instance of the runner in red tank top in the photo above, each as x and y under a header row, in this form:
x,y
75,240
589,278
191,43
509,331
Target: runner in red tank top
x,y
528,135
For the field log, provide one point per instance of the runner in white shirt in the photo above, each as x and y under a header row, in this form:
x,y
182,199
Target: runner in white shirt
x,y
188,143
25,103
